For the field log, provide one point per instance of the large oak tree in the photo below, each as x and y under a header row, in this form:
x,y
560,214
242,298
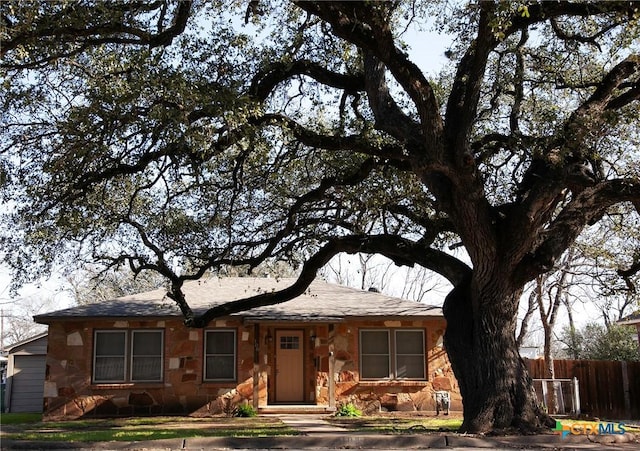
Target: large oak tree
x,y
181,137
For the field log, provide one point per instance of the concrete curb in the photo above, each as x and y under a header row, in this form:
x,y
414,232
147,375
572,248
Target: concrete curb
x,y
335,441
317,433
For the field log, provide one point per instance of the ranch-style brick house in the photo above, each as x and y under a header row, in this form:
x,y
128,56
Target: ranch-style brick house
x,y
331,345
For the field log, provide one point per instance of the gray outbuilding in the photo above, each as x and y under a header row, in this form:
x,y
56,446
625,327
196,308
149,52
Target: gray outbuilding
x,y
25,375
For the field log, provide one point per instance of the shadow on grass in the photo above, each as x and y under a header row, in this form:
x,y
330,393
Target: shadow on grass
x,y
151,428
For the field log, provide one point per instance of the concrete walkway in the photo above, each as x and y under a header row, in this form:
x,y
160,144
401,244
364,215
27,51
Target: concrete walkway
x,y
317,433
310,424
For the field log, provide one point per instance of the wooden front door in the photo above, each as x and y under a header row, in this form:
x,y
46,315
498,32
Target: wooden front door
x,y
289,366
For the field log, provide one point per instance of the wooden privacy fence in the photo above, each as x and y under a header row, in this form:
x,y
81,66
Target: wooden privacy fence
x,y
608,389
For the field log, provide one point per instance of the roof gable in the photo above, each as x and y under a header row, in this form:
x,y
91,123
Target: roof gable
x,y
322,301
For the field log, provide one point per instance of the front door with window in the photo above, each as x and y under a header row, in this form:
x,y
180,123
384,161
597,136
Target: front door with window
x,y
289,366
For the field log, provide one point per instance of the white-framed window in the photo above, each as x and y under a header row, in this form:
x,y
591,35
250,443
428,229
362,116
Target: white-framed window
x,y
392,354
128,356
109,350
375,355
146,355
220,355
410,354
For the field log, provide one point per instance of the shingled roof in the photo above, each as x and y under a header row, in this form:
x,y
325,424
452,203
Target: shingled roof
x,y
322,301
634,318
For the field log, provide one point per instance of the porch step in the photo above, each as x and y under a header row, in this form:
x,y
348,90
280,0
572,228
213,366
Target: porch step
x,y
295,409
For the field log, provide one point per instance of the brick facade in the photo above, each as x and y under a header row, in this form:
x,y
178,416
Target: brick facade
x,y
70,392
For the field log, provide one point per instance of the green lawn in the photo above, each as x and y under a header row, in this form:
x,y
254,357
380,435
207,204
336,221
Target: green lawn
x,y
31,427
20,418
133,429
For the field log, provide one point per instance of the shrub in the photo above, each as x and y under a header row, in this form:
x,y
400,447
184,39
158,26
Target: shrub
x,y
348,410
246,410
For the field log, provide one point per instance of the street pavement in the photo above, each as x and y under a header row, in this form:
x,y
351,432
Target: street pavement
x,y
316,433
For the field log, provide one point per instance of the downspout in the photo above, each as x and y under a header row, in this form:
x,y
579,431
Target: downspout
x,y
256,366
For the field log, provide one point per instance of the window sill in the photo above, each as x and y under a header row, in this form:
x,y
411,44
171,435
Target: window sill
x,y
393,382
126,385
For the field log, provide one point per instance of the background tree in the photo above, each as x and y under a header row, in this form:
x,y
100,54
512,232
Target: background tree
x,y
17,317
363,271
91,285
368,272
421,285
549,292
608,273
596,342
167,137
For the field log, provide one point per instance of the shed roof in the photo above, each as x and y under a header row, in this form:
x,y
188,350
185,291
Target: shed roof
x,y
27,341
634,318
322,301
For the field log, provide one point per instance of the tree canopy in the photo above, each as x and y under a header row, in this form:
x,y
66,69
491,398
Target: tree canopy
x,y
181,137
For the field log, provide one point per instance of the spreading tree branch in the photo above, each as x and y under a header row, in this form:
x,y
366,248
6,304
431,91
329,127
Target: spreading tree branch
x,y
265,81
401,251
56,31
585,208
366,26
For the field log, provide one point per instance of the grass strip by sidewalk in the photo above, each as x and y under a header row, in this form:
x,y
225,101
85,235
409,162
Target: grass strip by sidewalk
x,y
407,425
146,428
389,425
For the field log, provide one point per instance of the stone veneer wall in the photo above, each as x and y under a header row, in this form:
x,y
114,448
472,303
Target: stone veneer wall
x,y
70,393
372,396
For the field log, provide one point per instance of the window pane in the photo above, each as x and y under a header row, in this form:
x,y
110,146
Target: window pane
x,y
220,355
146,369
146,358
290,342
220,342
410,362
409,342
147,343
375,357
411,367
220,367
375,366
374,342
109,369
109,356
110,343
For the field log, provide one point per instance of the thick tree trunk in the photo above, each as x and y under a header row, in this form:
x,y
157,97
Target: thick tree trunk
x,y
497,391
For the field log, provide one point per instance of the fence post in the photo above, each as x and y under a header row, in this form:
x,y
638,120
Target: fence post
x,y
576,396
625,389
